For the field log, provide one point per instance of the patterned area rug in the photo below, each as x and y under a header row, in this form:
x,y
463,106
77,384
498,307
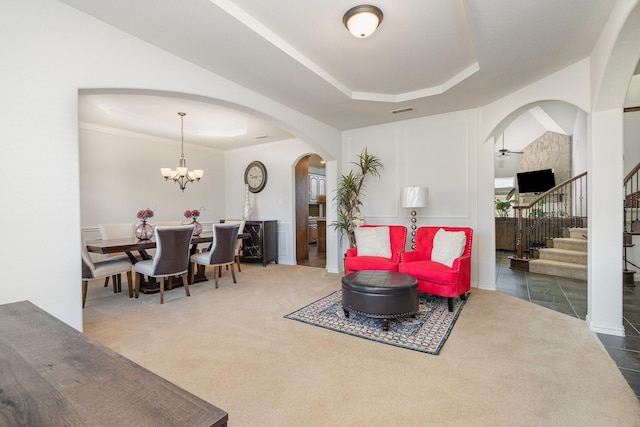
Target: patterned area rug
x,y
427,332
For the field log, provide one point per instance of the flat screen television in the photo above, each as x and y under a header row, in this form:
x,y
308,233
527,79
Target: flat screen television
x,y
536,181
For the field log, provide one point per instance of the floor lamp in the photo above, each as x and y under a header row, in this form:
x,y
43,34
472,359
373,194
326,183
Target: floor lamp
x,y
413,198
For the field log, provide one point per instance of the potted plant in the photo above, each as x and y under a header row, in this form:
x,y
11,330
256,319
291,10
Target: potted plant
x,y
350,188
503,206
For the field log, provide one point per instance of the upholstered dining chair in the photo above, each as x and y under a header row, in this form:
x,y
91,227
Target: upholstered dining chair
x,y
222,250
110,268
116,231
171,258
241,223
165,223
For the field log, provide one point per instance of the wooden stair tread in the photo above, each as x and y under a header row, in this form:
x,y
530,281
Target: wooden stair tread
x,y
558,263
570,239
563,251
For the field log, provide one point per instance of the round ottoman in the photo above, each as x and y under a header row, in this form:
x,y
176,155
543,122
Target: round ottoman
x,y
380,294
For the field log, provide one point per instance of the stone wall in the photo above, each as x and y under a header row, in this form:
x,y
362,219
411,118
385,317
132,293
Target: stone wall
x,y
550,151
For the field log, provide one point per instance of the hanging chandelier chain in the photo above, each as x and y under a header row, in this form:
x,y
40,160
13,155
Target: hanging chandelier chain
x,y
182,133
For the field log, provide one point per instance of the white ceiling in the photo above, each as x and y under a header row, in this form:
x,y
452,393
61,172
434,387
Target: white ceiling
x,y
205,124
433,55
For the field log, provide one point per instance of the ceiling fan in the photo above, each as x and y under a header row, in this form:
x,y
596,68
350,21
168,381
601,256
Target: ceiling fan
x,y
503,152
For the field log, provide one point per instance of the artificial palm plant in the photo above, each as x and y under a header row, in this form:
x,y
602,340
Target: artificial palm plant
x,y
350,188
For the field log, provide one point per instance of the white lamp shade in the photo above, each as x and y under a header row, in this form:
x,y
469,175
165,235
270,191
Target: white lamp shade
x,y
166,172
362,20
363,24
414,197
199,173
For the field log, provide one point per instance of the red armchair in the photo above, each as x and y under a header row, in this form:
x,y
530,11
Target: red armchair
x,y
434,277
397,240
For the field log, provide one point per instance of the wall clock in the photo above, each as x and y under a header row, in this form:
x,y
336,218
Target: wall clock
x,y
255,175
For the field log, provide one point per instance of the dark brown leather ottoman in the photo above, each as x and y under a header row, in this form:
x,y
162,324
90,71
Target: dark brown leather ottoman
x,y
380,294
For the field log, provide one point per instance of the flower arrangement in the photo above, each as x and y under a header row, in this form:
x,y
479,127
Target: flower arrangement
x,y
194,214
145,214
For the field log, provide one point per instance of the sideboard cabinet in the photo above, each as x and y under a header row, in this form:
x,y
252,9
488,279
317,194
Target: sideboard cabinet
x,y
262,243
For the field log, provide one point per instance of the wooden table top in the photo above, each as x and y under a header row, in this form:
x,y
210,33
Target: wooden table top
x,y
54,375
111,246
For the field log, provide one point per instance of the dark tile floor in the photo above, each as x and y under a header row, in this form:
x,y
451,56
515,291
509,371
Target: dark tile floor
x,y
569,296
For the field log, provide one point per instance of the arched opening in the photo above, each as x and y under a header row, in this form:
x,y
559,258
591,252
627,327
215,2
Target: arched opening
x,y
310,211
545,135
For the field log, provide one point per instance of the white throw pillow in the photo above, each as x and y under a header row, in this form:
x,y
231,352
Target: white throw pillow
x,y
447,246
373,241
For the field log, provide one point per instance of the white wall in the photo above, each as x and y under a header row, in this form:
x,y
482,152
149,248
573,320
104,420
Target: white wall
x,y
579,144
631,159
119,175
61,51
276,201
631,140
438,152
567,85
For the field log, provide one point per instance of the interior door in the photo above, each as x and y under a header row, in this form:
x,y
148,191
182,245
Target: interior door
x,y
302,209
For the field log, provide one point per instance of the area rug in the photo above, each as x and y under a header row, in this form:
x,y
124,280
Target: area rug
x,y
427,332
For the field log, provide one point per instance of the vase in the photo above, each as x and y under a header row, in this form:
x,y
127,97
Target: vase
x,y
246,210
144,231
197,228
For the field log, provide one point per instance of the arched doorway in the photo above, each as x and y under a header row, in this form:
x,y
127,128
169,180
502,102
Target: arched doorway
x,y
310,211
544,135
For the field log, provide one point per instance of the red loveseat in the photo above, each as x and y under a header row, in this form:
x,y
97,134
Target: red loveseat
x,y
398,238
434,277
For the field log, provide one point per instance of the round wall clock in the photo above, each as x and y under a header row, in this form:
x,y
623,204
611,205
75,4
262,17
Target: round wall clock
x,y
255,175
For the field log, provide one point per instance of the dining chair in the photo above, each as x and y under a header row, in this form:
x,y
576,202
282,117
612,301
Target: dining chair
x,y
116,231
151,252
171,258
165,223
110,268
222,250
238,241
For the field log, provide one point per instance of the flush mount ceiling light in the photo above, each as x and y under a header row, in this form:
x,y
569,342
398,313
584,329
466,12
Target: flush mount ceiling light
x,y
362,21
181,175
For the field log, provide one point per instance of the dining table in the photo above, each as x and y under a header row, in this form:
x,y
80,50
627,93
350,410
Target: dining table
x,y
131,245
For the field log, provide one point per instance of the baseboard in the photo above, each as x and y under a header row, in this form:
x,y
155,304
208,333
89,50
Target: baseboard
x,y
490,287
605,329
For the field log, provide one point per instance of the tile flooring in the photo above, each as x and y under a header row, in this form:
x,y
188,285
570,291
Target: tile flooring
x,y
569,296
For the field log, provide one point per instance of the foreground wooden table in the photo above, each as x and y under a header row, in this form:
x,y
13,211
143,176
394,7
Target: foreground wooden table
x,y
51,374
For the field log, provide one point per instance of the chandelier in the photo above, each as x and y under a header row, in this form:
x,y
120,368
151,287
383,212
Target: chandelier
x,y
181,175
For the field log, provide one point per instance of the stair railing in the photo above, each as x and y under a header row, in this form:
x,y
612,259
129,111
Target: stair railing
x,y
632,200
545,216
631,211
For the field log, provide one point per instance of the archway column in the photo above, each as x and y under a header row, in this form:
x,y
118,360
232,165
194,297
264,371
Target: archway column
x,y
606,173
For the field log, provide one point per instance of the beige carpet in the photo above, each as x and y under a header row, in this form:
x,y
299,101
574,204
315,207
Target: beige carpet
x,y
506,363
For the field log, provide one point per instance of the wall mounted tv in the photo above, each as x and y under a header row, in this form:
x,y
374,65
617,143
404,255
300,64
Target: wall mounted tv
x,y
536,181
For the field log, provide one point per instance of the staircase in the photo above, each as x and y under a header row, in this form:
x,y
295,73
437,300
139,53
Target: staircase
x,y
566,258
